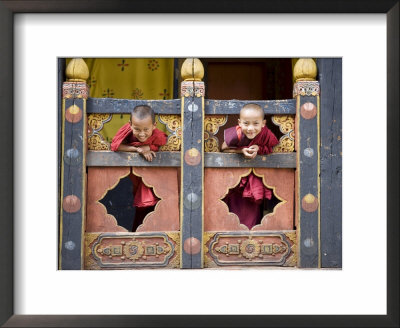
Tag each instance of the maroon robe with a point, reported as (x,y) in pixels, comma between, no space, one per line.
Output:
(245,199)
(125,135)
(144,198)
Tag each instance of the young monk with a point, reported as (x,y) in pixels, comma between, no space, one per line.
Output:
(250,137)
(140,135)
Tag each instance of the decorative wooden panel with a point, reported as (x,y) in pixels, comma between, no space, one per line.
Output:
(166,214)
(100,180)
(266,248)
(165,185)
(217,183)
(132,250)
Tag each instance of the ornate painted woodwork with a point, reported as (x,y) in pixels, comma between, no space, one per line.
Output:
(192,191)
(166,213)
(95,125)
(73,174)
(267,248)
(183,232)
(217,183)
(132,250)
(308,173)
(100,181)
(173,124)
(286,126)
(212,124)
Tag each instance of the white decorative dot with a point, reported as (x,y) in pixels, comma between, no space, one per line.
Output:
(309,242)
(309,152)
(192,201)
(192,197)
(70,245)
(193,107)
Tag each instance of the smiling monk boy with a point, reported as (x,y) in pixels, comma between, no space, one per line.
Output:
(250,137)
(140,135)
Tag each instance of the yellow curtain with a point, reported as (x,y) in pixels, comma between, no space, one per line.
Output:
(130,78)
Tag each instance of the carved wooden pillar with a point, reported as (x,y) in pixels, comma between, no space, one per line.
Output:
(192,179)
(306,91)
(73,166)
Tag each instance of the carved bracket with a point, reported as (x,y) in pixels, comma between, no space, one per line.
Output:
(286,126)
(174,125)
(212,123)
(95,125)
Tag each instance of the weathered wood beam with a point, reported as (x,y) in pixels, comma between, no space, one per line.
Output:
(124,106)
(330,77)
(173,159)
(275,160)
(271,107)
(111,158)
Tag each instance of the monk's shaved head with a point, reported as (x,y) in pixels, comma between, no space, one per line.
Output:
(252,107)
(143,111)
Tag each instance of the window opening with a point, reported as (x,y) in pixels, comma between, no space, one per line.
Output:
(130,201)
(251,200)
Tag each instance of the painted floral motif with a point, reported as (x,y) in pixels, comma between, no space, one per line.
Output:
(123,65)
(109,93)
(137,93)
(92,81)
(164,94)
(153,65)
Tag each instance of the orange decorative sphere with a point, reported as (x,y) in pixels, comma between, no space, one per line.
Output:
(71,204)
(309,203)
(308,111)
(191,246)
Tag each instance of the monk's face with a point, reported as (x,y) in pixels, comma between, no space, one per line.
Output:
(142,128)
(251,121)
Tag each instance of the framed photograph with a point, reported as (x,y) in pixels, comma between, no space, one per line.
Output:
(42,290)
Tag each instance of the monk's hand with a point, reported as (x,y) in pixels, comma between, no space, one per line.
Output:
(148,155)
(247,152)
(254,150)
(143,149)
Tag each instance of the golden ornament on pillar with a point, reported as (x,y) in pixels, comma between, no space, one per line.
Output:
(77,70)
(192,70)
(305,70)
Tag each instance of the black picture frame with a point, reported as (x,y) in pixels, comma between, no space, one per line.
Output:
(7,11)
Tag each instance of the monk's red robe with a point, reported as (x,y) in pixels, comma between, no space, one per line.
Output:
(245,200)
(144,198)
(125,136)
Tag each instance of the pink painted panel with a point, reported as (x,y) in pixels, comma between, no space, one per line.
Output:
(282,183)
(100,180)
(165,185)
(216,184)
